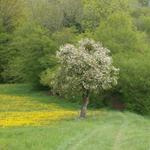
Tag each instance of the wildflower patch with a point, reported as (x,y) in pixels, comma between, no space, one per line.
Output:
(31,110)
(37,118)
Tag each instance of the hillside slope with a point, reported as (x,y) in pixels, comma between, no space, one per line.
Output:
(34,121)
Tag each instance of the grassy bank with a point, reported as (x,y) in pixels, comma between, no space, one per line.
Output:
(33,120)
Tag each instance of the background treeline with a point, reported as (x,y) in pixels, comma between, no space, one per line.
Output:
(32,30)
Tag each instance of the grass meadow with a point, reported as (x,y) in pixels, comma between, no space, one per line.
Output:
(33,120)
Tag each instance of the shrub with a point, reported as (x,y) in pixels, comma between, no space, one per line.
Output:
(134,82)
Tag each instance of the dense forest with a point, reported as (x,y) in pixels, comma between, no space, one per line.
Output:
(31,31)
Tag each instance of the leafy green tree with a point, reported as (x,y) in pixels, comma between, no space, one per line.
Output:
(11,12)
(120,34)
(72,12)
(134,81)
(35,52)
(56,14)
(97,10)
(46,13)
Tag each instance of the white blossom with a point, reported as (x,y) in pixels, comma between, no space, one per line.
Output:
(88,65)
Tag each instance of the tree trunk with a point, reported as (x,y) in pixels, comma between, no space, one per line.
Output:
(84,105)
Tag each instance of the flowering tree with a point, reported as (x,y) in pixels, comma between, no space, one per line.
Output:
(86,67)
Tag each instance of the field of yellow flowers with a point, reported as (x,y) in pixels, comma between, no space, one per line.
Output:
(20,108)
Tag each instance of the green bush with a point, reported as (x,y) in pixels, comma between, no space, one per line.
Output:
(134,82)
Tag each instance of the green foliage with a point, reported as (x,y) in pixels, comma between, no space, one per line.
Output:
(35,52)
(142,19)
(72,12)
(47,77)
(118,33)
(144,24)
(54,15)
(97,10)
(144,2)
(47,14)
(134,83)
(5,53)
(10,13)
(66,35)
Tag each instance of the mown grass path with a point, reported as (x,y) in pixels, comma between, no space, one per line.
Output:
(102,130)
(111,132)
(120,133)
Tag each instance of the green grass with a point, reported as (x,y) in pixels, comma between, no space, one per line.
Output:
(103,130)
(32,96)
